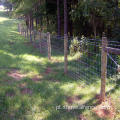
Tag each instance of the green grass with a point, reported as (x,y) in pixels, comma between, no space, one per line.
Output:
(52,89)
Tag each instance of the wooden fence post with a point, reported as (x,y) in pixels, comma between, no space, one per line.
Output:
(34,37)
(103,67)
(31,35)
(40,41)
(49,45)
(25,32)
(19,28)
(22,30)
(65,53)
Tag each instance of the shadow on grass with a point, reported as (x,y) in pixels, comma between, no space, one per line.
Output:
(47,93)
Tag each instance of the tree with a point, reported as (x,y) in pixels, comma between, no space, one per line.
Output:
(58,19)
(65,35)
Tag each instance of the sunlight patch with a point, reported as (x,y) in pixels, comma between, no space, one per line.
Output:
(2,19)
(32,58)
(69,87)
(6,53)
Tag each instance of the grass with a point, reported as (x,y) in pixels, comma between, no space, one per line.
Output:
(31,99)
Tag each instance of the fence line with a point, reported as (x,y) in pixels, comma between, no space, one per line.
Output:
(84,59)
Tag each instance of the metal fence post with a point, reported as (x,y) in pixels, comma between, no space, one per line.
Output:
(103,67)
(65,53)
(49,45)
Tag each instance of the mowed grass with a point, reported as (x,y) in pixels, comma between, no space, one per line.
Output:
(33,88)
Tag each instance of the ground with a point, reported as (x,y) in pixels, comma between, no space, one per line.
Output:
(33,88)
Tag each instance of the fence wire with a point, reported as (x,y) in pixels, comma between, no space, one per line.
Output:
(36,38)
(85,60)
(84,55)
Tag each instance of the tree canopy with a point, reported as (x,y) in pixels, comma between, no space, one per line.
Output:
(85,17)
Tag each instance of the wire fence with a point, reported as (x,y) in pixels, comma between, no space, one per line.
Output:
(36,38)
(85,60)
(84,55)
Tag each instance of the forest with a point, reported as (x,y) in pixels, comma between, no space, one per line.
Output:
(83,17)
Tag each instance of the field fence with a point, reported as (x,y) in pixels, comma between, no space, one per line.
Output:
(84,63)
(85,59)
(84,55)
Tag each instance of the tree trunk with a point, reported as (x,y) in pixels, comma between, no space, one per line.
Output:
(65,36)
(36,19)
(116,16)
(30,27)
(58,19)
(70,22)
(94,25)
(47,18)
(65,18)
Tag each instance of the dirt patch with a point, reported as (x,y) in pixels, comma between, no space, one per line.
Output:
(105,109)
(16,75)
(71,100)
(26,91)
(49,71)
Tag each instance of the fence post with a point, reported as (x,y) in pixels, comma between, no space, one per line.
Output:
(40,41)
(65,53)
(22,31)
(19,28)
(103,67)
(34,36)
(25,32)
(49,45)
(31,35)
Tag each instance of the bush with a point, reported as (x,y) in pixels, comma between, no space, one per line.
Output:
(74,47)
(78,45)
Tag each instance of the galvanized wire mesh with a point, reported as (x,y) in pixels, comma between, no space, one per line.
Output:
(36,38)
(57,45)
(113,63)
(84,55)
(85,63)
